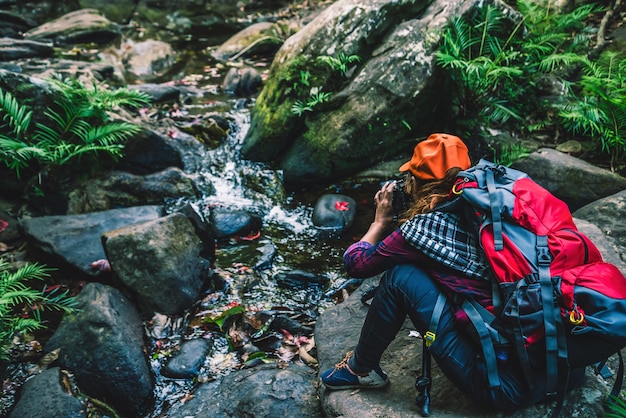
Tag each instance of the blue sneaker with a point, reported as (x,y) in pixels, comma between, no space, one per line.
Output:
(342,377)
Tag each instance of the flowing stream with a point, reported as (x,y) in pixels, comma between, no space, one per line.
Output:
(287,231)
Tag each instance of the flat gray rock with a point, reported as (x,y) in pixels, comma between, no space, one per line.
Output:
(76,239)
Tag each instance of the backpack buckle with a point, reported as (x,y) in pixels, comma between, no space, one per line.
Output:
(576,317)
(544,258)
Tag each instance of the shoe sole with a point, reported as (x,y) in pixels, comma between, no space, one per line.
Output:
(379,386)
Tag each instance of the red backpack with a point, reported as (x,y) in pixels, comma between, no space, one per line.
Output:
(558,303)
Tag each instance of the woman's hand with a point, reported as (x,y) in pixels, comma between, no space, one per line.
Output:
(383,199)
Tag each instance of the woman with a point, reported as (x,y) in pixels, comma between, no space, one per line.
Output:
(432,253)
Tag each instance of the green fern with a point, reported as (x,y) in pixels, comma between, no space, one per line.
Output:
(339,63)
(476,56)
(21,306)
(616,406)
(494,66)
(598,108)
(78,125)
(18,117)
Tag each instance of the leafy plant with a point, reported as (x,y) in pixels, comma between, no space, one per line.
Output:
(616,406)
(316,97)
(339,63)
(596,107)
(79,124)
(21,305)
(221,318)
(480,65)
(494,68)
(509,154)
(303,79)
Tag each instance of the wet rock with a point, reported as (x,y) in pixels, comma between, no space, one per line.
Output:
(102,344)
(186,363)
(262,391)
(283,322)
(569,178)
(233,223)
(45,396)
(75,240)
(15,49)
(257,39)
(299,279)
(86,72)
(121,189)
(79,27)
(148,60)
(27,89)
(149,152)
(159,261)
(203,230)
(242,82)
(263,185)
(211,130)
(334,213)
(268,252)
(160,93)
(13,25)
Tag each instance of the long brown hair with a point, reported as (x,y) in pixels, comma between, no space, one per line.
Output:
(426,195)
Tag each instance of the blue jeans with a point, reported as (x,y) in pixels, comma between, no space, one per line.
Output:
(409,290)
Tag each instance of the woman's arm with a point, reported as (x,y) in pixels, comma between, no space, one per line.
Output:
(363,260)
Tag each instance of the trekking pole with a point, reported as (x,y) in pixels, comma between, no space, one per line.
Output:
(423,382)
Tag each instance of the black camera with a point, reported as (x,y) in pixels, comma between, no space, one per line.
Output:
(400,199)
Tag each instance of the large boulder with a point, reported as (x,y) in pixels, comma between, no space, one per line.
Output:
(148,60)
(569,178)
(262,391)
(45,396)
(388,98)
(78,27)
(122,189)
(102,344)
(159,261)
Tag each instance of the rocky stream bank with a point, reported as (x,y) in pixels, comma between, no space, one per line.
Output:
(207,288)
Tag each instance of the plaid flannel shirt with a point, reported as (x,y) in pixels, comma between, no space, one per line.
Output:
(445,238)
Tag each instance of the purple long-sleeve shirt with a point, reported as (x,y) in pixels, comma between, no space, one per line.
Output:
(363,260)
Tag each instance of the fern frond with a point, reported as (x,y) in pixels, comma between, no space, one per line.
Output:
(18,117)
(16,297)
(111,99)
(500,113)
(22,325)
(551,63)
(32,271)
(106,135)
(575,20)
